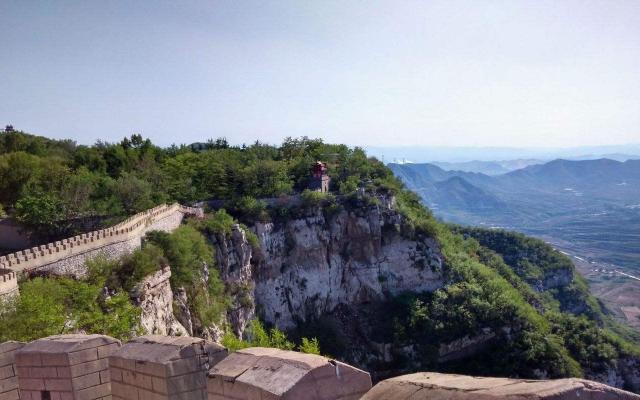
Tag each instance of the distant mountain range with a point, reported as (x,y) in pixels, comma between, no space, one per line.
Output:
(487,167)
(505,166)
(593,205)
(431,154)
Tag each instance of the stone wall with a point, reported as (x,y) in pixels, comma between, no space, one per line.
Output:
(162,367)
(8,371)
(68,256)
(89,367)
(8,284)
(66,367)
(434,386)
(265,373)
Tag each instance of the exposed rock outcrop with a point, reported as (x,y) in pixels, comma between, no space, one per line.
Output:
(309,266)
(233,254)
(155,298)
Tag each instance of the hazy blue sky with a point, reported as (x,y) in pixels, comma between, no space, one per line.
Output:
(512,73)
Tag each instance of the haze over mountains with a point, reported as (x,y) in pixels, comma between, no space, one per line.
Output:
(592,204)
(539,155)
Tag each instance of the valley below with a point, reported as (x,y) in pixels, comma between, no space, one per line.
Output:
(586,209)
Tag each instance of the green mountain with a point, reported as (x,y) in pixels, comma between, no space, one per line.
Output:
(365,269)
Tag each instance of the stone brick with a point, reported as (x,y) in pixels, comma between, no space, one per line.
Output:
(61,385)
(116,374)
(8,384)
(6,372)
(149,395)
(85,381)
(83,356)
(181,367)
(29,394)
(159,385)
(89,367)
(28,359)
(192,395)
(6,359)
(66,396)
(151,368)
(94,392)
(42,372)
(31,384)
(106,351)
(60,359)
(214,384)
(121,390)
(185,383)
(63,372)
(10,395)
(105,376)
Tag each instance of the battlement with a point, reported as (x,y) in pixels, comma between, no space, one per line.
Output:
(98,367)
(8,283)
(130,228)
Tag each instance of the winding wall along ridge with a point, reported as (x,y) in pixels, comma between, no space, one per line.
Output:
(131,228)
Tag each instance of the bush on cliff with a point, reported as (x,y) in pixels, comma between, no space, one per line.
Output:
(259,336)
(52,306)
(193,269)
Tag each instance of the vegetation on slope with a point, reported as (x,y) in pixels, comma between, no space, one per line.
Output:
(49,184)
(492,283)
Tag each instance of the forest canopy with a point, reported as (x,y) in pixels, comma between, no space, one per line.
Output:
(48,184)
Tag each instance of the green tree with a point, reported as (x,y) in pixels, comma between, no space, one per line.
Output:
(41,212)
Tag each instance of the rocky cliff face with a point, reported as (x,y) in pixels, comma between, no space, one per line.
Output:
(155,298)
(310,266)
(233,258)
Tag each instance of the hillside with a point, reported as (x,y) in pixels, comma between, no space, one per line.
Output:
(366,270)
(590,204)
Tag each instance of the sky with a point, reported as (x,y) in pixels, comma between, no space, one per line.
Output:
(370,73)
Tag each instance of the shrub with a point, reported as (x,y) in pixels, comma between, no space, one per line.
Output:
(220,222)
(49,306)
(259,336)
(312,198)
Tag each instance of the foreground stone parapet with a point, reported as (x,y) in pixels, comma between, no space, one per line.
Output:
(66,367)
(264,373)
(161,367)
(434,386)
(8,371)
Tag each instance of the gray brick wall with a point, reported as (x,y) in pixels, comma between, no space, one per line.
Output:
(8,371)
(68,367)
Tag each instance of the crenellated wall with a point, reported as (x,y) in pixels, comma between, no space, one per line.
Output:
(8,284)
(68,256)
(98,367)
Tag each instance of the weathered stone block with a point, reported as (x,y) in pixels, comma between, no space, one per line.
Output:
(83,356)
(69,370)
(58,385)
(83,382)
(163,367)
(434,386)
(93,392)
(261,373)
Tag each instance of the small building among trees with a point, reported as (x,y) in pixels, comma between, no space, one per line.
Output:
(320,179)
